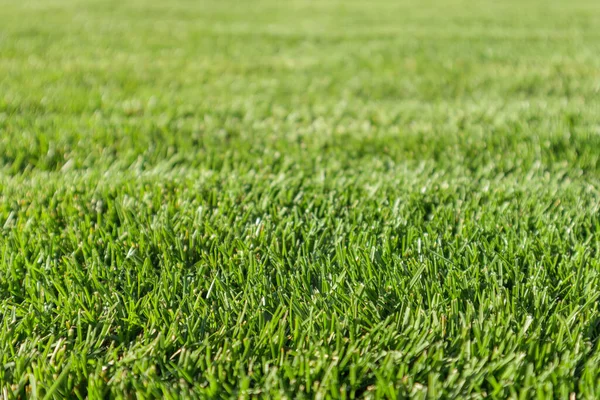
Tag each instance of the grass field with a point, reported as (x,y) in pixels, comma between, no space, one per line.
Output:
(306,198)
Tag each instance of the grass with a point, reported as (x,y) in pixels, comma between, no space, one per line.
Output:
(299,199)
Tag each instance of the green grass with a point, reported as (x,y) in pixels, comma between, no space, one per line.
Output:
(299,199)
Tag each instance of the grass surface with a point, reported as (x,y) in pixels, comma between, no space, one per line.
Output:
(302,198)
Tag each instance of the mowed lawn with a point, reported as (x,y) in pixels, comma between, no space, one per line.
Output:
(318,199)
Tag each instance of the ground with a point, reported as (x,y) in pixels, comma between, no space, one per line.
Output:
(300,198)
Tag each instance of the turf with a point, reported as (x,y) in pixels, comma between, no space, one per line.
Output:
(299,199)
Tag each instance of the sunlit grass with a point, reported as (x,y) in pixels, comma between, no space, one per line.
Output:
(299,199)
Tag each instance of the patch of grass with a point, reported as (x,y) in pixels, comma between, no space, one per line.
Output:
(303,199)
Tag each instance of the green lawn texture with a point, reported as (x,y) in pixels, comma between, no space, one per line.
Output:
(299,199)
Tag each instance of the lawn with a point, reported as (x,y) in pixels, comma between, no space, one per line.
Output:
(318,199)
